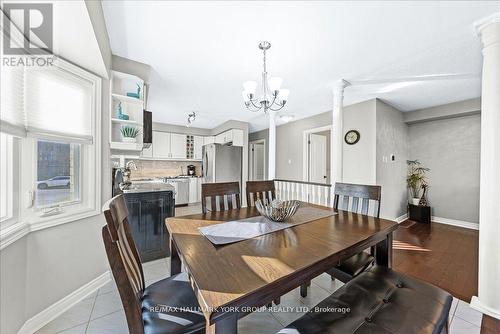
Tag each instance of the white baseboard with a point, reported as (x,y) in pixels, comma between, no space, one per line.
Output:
(64,304)
(401,218)
(476,304)
(454,222)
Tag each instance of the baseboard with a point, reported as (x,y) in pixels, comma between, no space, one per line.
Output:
(64,304)
(454,222)
(476,304)
(401,218)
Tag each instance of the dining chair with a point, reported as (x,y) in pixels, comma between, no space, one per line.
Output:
(167,306)
(353,198)
(220,192)
(263,190)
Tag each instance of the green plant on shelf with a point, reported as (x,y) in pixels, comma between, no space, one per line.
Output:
(129,131)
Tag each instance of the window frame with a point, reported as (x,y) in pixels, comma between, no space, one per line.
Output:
(89,203)
(8,155)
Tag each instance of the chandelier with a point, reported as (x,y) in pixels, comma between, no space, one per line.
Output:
(272,97)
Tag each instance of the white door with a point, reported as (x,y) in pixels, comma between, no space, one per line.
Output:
(317,158)
(258,162)
(161,144)
(178,146)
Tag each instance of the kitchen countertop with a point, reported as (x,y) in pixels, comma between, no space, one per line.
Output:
(145,187)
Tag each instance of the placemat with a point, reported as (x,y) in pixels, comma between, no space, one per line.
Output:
(238,230)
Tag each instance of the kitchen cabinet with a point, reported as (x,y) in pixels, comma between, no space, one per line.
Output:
(234,136)
(198,145)
(146,215)
(194,190)
(208,140)
(177,146)
(161,144)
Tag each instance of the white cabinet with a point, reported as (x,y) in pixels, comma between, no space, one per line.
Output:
(198,145)
(234,136)
(177,146)
(161,144)
(208,140)
(194,192)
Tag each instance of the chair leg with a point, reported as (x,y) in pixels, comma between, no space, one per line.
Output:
(303,289)
(277,301)
(332,277)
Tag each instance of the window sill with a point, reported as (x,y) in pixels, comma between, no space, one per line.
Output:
(18,230)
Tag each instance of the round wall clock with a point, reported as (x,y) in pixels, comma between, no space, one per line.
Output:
(352,137)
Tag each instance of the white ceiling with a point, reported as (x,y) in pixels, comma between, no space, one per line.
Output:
(201,52)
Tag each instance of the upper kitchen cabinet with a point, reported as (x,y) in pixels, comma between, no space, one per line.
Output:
(198,145)
(208,140)
(161,144)
(177,146)
(126,112)
(234,136)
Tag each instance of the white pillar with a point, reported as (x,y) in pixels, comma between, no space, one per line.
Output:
(272,146)
(488,299)
(337,137)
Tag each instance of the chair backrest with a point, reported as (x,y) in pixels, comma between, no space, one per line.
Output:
(223,192)
(124,261)
(263,190)
(357,192)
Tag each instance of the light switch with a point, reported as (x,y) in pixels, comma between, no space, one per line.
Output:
(289,161)
(393,157)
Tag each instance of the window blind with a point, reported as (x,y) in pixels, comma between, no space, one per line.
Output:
(58,105)
(12,116)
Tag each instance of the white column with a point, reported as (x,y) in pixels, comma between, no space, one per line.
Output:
(272,146)
(337,137)
(488,299)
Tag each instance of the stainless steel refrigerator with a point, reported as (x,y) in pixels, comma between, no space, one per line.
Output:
(221,163)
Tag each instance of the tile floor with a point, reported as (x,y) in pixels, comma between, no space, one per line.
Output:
(102,312)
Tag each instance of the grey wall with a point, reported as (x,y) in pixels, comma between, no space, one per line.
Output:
(451,149)
(392,139)
(450,110)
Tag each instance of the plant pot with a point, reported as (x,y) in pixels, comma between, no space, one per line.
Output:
(415,200)
(128,140)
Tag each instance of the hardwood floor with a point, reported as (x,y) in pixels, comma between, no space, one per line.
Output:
(440,254)
(490,325)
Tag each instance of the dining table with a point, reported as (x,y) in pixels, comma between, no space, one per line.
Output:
(235,279)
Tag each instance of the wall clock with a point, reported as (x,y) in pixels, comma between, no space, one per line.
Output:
(352,137)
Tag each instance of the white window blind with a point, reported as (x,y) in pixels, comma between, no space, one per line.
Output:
(58,105)
(12,116)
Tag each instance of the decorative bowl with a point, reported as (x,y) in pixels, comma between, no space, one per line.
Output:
(277,210)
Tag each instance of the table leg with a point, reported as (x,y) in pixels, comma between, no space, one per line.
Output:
(175,260)
(383,252)
(227,325)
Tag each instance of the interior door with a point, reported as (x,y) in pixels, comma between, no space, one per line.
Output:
(317,158)
(178,146)
(258,162)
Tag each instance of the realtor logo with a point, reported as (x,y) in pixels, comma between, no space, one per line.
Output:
(35,22)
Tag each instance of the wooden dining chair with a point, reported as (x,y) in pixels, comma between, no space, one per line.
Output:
(220,192)
(263,190)
(167,306)
(353,198)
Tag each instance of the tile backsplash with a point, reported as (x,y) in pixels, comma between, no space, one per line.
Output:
(161,168)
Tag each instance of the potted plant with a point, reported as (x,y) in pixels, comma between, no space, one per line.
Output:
(129,133)
(415,179)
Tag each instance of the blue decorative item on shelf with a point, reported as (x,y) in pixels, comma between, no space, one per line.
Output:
(120,114)
(136,95)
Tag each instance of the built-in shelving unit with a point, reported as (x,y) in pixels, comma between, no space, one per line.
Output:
(121,84)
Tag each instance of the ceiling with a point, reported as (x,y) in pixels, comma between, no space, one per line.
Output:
(201,52)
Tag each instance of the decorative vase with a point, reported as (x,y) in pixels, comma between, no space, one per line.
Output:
(415,200)
(423,199)
(120,114)
(128,139)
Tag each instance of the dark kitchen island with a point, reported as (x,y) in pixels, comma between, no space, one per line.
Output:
(148,207)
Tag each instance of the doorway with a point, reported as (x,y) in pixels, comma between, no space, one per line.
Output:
(317,155)
(258,160)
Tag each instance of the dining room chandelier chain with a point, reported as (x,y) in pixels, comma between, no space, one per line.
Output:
(272,97)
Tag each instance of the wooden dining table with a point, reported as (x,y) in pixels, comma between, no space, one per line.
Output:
(233,280)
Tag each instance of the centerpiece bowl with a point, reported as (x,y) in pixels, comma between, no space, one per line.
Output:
(277,210)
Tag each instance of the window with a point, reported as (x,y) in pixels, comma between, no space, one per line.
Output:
(58,174)
(59,135)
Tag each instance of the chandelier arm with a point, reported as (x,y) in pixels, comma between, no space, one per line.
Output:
(258,108)
(252,110)
(280,107)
